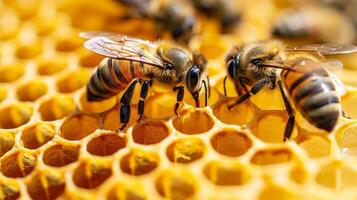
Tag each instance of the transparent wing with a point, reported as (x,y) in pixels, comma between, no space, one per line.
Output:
(301,64)
(326,49)
(115,37)
(122,47)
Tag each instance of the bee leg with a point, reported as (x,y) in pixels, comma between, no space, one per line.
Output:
(143,95)
(125,101)
(291,120)
(179,98)
(255,89)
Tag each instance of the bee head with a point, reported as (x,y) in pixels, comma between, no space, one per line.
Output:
(196,75)
(253,55)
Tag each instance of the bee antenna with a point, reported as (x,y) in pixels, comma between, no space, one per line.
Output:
(209,87)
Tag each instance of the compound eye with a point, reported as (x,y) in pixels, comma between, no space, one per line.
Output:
(193,77)
(257,61)
(232,66)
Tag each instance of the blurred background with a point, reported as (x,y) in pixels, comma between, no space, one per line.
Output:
(53,142)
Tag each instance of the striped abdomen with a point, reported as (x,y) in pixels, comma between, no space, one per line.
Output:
(314,95)
(111,76)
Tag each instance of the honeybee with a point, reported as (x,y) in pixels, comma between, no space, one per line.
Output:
(131,61)
(303,79)
(224,10)
(317,22)
(175,15)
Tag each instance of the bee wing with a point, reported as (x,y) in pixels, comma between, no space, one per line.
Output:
(293,65)
(122,47)
(326,49)
(114,36)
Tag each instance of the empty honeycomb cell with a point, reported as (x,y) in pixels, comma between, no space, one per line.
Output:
(52,66)
(349,104)
(88,59)
(160,106)
(61,154)
(28,10)
(150,132)
(106,144)
(15,115)
(127,190)
(31,90)
(238,115)
(78,126)
(30,50)
(273,191)
(231,142)
(46,23)
(90,175)
(185,150)
(187,122)
(275,99)
(18,164)
(271,156)
(329,175)
(11,73)
(9,192)
(336,175)
(139,162)
(348,177)
(346,137)
(69,43)
(226,174)
(270,127)
(97,106)
(299,173)
(176,184)
(56,107)
(46,185)
(7,141)
(72,81)
(315,146)
(3,93)
(9,23)
(36,135)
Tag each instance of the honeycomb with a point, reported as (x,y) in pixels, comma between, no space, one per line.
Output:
(56,145)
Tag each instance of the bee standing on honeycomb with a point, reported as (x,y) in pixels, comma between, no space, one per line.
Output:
(302,78)
(175,15)
(132,60)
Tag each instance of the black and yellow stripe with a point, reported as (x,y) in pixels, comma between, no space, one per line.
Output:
(315,96)
(111,76)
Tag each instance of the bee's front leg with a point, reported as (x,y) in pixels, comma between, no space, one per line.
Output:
(179,98)
(255,89)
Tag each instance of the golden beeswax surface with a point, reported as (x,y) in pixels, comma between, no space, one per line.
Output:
(54,144)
